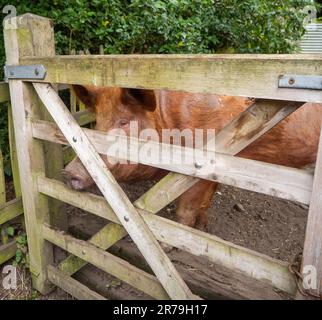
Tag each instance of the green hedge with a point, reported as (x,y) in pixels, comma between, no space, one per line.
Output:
(172,26)
(169,26)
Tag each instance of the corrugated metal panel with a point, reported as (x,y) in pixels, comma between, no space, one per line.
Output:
(312,40)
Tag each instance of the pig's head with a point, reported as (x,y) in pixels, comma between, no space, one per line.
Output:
(115,108)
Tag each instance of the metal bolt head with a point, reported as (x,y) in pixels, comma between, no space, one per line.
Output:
(74,139)
(198,165)
(126,218)
(291,81)
(36,72)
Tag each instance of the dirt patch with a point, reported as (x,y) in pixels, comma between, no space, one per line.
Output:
(24,290)
(10,190)
(262,223)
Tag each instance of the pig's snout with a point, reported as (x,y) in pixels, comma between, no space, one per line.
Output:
(76,176)
(75,181)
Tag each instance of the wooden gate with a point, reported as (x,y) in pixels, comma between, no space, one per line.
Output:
(43,123)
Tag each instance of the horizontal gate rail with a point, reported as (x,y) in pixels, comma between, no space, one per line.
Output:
(107,262)
(236,75)
(72,286)
(11,210)
(287,183)
(198,243)
(7,251)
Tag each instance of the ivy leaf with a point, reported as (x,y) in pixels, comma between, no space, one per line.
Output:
(11,231)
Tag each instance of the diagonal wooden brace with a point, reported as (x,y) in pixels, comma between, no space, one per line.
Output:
(114,195)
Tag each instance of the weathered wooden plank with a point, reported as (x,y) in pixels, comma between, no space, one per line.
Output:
(113,193)
(221,252)
(104,239)
(53,153)
(312,252)
(54,164)
(287,183)
(4,92)
(13,154)
(255,121)
(237,75)
(73,101)
(7,251)
(210,281)
(107,262)
(4,237)
(11,210)
(72,286)
(84,117)
(2,181)
(62,86)
(30,35)
(251,124)
(69,155)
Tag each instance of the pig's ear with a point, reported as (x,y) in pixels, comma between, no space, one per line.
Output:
(86,94)
(146,98)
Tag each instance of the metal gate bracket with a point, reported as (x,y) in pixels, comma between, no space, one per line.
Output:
(300,82)
(32,72)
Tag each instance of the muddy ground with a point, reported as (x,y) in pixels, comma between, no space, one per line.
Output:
(269,225)
(262,223)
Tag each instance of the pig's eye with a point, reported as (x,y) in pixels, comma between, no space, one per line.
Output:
(123,123)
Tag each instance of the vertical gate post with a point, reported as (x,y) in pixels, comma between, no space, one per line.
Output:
(312,252)
(33,36)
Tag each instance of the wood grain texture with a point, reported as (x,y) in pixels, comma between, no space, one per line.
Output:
(236,75)
(30,35)
(312,252)
(7,251)
(4,92)
(103,239)
(2,181)
(251,124)
(209,280)
(11,210)
(72,286)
